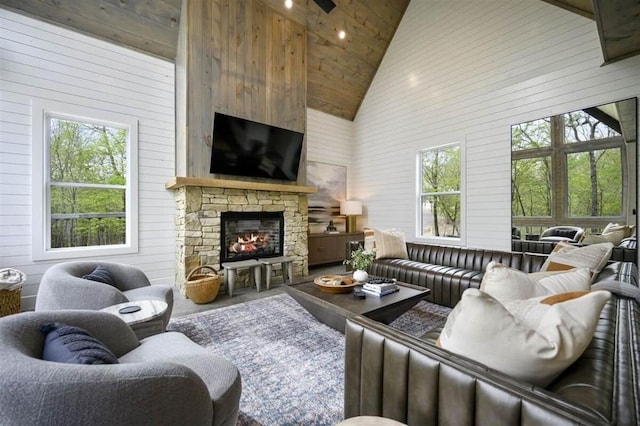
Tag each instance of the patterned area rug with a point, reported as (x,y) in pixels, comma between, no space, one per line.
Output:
(292,366)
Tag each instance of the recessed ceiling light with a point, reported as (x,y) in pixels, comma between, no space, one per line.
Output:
(342,34)
(288,4)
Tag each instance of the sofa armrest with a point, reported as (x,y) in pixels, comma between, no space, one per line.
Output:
(391,374)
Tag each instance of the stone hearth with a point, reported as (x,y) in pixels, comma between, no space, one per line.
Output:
(198,210)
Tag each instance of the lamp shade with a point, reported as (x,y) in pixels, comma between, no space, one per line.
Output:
(351,208)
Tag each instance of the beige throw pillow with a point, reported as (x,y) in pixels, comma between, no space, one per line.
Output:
(507,284)
(534,342)
(565,256)
(390,244)
(614,237)
(612,233)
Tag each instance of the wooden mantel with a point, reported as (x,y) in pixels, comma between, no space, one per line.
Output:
(179,181)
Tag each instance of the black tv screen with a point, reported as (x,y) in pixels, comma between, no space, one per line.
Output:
(246,148)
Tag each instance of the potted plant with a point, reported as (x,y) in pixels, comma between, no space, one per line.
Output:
(360,261)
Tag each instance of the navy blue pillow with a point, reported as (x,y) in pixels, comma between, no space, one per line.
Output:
(73,345)
(102,275)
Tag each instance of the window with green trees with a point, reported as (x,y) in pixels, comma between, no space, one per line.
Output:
(569,169)
(87,183)
(88,194)
(440,192)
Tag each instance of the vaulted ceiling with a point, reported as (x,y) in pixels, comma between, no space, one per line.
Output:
(339,71)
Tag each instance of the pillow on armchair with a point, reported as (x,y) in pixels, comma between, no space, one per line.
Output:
(74,345)
(101,275)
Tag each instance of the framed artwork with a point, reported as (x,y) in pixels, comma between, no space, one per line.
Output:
(324,205)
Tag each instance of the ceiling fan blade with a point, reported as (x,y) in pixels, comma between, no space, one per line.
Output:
(326,5)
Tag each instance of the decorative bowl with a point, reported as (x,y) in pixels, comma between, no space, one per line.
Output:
(335,283)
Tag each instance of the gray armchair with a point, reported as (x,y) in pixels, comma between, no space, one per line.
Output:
(62,287)
(165,379)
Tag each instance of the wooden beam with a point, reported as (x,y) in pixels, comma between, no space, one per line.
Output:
(619,28)
(177,182)
(581,7)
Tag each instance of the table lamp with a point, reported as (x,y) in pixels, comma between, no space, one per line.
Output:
(351,209)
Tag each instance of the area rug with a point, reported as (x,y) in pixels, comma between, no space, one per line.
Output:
(292,366)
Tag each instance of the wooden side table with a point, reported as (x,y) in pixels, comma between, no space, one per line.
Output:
(143,316)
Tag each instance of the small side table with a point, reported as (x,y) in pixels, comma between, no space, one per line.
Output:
(287,262)
(145,321)
(232,267)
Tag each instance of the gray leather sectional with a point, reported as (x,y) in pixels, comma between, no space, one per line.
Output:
(389,373)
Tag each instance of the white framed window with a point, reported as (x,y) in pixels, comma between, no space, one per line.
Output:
(440,201)
(85,200)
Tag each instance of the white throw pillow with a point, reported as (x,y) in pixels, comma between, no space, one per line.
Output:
(507,284)
(390,244)
(565,256)
(613,237)
(535,349)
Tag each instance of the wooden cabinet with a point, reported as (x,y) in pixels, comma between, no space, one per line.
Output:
(330,248)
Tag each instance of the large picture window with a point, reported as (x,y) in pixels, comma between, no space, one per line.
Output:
(568,169)
(440,192)
(87,185)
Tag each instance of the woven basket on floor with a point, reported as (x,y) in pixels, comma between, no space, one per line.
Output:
(202,287)
(10,301)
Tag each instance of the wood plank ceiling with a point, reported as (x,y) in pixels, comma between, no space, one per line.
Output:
(339,72)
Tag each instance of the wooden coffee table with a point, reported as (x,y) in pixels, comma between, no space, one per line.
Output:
(333,309)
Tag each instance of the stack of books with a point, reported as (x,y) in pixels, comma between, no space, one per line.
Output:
(380,289)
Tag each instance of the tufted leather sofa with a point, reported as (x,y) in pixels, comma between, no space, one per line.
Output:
(448,271)
(391,374)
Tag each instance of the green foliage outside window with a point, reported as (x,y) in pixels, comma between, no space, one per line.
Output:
(87,179)
(585,150)
(440,192)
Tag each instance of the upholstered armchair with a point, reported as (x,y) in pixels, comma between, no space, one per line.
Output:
(165,379)
(63,287)
(570,234)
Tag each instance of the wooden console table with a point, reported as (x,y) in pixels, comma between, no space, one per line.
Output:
(330,248)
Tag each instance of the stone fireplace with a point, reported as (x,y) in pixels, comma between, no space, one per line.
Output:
(202,204)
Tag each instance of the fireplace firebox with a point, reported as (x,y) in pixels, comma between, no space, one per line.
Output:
(251,235)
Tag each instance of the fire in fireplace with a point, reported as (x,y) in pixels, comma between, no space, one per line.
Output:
(251,235)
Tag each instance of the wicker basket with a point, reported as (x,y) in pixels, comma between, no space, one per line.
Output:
(10,301)
(202,287)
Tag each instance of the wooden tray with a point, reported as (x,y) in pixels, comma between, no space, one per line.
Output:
(335,283)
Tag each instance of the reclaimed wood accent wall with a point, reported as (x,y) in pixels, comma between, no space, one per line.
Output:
(241,58)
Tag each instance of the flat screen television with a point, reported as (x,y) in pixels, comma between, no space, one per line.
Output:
(247,148)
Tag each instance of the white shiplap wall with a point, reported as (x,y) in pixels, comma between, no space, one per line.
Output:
(42,61)
(467,70)
(330,140)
